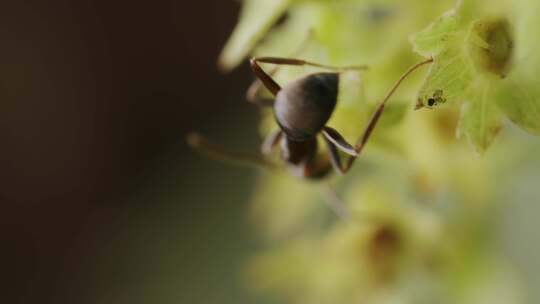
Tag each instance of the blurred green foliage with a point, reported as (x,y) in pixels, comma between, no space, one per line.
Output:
(425,208)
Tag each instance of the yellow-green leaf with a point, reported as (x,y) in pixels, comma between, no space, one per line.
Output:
(480,119)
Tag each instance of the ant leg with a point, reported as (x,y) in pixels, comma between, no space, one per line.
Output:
(201,144)
(271,141)
(333,136)
(333,154)
(252,94)
(377,114)
(334,202)
(265,78)
(301,62)
(270,83)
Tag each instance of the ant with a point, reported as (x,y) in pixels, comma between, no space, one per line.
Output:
(302,109)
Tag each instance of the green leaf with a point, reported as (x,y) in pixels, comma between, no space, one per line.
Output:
(519,100)
(448,79)
(437,36)
(480,119)
(256,18)
(483,63)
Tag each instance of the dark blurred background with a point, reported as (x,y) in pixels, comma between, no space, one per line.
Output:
(101,201)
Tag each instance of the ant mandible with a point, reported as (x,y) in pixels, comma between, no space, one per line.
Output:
(302,109)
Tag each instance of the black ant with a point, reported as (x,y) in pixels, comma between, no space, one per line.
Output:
(301,109)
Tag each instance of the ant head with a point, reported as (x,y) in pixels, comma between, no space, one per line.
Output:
(304,106)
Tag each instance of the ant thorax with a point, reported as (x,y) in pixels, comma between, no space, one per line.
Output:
(302,158)
(305,105)
(295,152)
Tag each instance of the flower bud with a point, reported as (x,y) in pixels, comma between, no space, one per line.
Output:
(491,45)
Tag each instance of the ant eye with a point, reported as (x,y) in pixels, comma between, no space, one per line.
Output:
(431,102)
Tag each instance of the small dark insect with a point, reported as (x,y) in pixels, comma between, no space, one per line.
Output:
(437,98)
(302,109)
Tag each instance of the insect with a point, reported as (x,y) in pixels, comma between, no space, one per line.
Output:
(302,110)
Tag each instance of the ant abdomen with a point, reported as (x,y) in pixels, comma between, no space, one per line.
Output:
(303,107)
